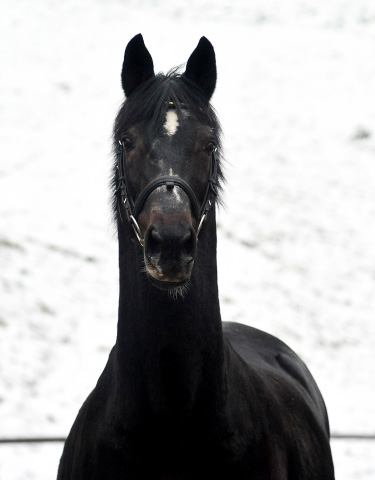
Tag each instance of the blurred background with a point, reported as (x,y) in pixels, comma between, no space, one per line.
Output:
(296,255)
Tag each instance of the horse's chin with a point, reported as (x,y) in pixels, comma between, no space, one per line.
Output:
(167,285)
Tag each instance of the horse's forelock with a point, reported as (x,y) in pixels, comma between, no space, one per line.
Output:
(150,102)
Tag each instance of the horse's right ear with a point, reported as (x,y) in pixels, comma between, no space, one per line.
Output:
(138,65)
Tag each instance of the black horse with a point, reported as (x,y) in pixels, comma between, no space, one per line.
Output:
(183,395)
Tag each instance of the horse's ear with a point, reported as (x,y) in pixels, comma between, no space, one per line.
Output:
(138,65)
(201,67)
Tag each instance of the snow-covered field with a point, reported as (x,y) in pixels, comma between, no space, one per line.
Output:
(296,98)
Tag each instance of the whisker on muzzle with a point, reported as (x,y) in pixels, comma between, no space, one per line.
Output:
(179,292)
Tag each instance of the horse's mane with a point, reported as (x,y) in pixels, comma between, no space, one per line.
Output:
(149,103)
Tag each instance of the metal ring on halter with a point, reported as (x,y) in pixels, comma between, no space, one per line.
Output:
(137,230)
(201,224)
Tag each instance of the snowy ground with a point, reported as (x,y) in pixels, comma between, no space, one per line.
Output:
(296,258)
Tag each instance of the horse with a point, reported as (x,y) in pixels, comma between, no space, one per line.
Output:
(184,395)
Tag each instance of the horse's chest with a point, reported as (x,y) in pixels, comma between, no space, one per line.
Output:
(194,462)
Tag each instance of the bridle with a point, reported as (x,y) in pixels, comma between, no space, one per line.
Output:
(133,208)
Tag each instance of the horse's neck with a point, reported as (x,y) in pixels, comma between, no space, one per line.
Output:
(166,344)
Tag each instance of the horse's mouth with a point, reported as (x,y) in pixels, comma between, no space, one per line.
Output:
(168,282)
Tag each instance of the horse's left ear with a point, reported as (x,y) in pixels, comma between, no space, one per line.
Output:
(138,65)
(201,67)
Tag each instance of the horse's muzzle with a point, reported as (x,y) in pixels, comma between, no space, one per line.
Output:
(170,249)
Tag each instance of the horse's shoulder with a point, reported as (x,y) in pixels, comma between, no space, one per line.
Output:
(253,344)
(264,352)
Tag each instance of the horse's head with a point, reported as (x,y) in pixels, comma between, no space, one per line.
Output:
(167,135)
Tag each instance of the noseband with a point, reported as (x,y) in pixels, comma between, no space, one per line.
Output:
(133,208)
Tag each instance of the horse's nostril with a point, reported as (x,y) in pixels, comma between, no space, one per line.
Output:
(188,243)
(188,260)
(153,240)
(156,236)
(186,238)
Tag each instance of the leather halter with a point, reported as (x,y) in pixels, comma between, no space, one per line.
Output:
(133,208)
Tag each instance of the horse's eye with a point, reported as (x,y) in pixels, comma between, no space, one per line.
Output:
(128,143)
(210,147)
